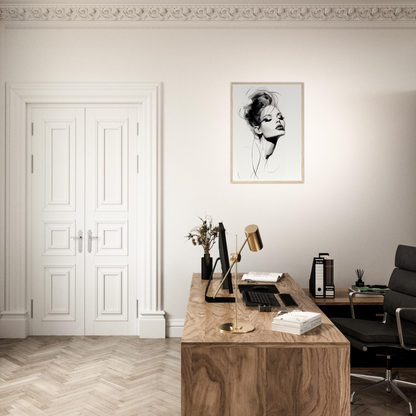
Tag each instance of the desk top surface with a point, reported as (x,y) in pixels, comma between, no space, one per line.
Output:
(203,318)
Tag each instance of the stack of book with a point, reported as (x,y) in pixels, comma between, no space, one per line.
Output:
(296,322)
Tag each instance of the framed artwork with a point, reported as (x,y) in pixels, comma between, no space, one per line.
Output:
(267,132)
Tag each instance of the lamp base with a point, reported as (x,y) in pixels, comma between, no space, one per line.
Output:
(243,328)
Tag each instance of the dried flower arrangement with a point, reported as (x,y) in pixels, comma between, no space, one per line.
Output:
(204,235)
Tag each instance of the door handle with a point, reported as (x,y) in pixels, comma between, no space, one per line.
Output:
(90,237)
(79,238)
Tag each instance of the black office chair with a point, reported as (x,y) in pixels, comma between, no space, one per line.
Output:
(398,329)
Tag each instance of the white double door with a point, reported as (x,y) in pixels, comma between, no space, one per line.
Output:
(83,220)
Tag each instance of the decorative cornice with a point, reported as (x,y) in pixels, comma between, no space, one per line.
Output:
(207,13)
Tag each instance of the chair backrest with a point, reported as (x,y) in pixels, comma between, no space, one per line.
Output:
(402,285)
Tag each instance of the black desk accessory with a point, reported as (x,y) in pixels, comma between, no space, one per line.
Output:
(265,308)
(216,299)
(287,299)
(259,298)
(225,265)
(360,274)
(258,288)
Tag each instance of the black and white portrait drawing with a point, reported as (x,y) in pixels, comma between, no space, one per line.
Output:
(267,132)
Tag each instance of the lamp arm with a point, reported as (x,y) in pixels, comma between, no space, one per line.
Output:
(232,265)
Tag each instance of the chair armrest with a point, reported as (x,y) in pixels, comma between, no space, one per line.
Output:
(399,327)
(352,294)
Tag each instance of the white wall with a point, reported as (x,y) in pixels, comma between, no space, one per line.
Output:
(358,201)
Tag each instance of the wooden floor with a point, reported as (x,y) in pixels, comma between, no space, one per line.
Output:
(92,376)
(99,376)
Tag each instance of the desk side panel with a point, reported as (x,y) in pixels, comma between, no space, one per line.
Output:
(268,381)
(205,385)
(325,381)
(223,381)
(284,381)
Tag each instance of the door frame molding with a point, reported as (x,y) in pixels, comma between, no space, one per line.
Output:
(15,317)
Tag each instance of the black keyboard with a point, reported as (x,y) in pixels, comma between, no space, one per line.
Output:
(258,298)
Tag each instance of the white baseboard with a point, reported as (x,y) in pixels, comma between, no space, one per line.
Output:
(152,324)
(175,328)
(14,324)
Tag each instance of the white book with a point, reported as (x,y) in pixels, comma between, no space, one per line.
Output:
(296,330)
(296,318)
(262,277)
(296,324)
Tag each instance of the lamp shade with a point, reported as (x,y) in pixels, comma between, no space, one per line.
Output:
(254,238)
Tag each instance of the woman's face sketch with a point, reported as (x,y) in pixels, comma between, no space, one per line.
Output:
(272,123)
(265,121)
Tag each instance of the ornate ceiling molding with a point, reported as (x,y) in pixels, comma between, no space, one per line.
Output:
(292,13)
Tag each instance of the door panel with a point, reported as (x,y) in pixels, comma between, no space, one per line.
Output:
(112,165)
(112,285)
(111,216)
(60,299)
(58,241)
(60,165)
(57,201)
(112,238)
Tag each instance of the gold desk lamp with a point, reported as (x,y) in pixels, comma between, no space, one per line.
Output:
(255,244)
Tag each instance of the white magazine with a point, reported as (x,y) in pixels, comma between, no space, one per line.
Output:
(262,277)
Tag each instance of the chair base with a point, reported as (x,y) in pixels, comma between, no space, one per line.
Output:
(390,381)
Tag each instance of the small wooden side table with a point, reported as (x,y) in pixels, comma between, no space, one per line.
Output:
(370,308)
(342,299)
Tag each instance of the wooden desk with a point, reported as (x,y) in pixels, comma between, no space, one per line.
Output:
(265,372)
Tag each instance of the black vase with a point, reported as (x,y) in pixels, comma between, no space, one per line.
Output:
(206,268)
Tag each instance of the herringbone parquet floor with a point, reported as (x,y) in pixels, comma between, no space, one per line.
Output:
(121,376)
(90,376)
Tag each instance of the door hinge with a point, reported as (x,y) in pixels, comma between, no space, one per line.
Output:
(137,308)
(31,308)
(32,129)
(138,164)
(138,128)
(32,164)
